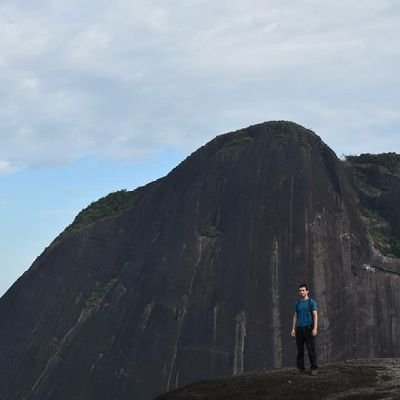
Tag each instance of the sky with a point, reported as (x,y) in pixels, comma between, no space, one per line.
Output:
(98,96)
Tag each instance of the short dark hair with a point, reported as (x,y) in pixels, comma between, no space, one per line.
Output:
(303,285)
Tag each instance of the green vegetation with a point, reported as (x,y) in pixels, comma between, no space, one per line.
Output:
(283,125)
(395,246)
(391,161)
(209,231)
(239,139)
(108,206)
(98,295)
(387,245)
(366,212)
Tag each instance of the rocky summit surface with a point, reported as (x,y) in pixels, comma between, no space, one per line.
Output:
(377,379)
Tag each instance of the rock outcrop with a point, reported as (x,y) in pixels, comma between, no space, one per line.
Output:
(351,380)
(195,275)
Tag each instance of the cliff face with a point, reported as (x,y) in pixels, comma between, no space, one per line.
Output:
(196,275)
(376,179)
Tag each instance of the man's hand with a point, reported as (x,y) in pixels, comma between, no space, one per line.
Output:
(293,333)
(314,332)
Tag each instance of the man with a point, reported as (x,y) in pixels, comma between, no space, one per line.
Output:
(305,328)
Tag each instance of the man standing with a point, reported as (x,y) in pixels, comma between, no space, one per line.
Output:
(305,328)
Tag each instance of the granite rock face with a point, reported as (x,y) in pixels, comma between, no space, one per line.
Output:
(195,276)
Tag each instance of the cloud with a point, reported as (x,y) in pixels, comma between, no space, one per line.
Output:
(4,166)
(127,80)
(7,167)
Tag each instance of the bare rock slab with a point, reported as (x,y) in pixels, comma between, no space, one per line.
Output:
(351,380)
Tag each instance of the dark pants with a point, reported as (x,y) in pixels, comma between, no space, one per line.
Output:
(304,337)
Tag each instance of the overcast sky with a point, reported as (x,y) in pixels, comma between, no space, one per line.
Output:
(98,96)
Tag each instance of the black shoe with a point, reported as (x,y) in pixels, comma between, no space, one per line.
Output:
(301,370)
(314,372)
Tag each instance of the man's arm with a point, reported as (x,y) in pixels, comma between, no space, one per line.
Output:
(293,333)
(315,329)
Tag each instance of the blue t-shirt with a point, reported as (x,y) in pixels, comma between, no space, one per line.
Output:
(304,316)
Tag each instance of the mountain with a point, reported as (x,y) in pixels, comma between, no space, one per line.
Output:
(195,275)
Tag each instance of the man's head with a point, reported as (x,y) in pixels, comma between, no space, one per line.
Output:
(303,290)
